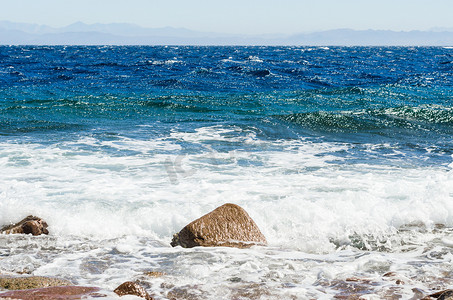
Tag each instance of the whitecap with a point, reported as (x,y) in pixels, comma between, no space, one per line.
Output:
(254,59)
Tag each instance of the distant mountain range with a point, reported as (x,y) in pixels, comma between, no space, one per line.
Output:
(129,34)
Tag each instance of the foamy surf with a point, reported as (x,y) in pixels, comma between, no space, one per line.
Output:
(110,216)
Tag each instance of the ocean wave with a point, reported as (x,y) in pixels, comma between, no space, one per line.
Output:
(415,118)
(329,121)
(165,104)
(36,126)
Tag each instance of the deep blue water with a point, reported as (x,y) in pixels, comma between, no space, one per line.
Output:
(395,100)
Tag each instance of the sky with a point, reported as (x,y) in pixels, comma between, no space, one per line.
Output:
(238,16)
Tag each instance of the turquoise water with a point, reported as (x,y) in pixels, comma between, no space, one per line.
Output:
(399,96)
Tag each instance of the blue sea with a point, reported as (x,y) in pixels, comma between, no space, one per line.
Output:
(341,155)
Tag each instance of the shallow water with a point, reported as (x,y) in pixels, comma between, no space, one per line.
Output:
(342,156)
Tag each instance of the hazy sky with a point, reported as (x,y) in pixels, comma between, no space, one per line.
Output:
(238,16)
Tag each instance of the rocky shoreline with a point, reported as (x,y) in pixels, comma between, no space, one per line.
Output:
(227,226)
(33,287)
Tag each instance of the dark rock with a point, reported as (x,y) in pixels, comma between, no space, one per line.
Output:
(132,288)
(228,226)
(443,295)
(32,282)
(52,293)
(31,224)
(389,274)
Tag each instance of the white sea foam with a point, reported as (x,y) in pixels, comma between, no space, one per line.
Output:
(164,62)
(294,194)
(254,59)
(231,60)
(111,214)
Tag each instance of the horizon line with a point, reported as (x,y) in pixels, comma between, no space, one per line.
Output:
(433,29)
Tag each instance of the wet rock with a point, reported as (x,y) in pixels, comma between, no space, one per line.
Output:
(393,276)
(443,295)
(31,224)
(253,291)
(132,288)
(154,274)
(243,290)
(389,274)
(52,293)
(352,288)
(188,292)
(32,282)
(228,226)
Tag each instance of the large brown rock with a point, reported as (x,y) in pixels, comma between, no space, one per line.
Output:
(52,293)
(31,224)
(228,226)
(132,288)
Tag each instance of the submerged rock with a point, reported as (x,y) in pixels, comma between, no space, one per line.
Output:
(52,293)
(132,288)
(228,226)
(31,224)
(31,282)
(246,290)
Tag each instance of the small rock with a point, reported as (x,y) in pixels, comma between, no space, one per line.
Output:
(254,291)
(31,224)
(52,293)
(132,288)
(389,274)
(227,226)
(32,282)
(188,292)
(356,279)
(154,274)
